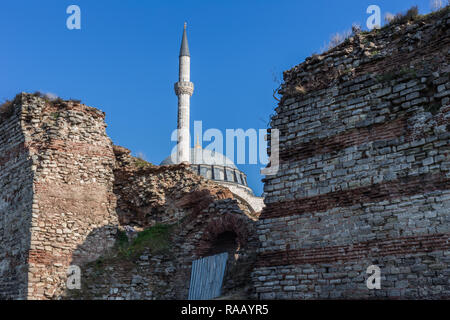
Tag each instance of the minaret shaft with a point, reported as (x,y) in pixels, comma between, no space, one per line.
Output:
(184,89)
(185,69)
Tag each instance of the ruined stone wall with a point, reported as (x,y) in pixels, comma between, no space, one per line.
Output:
(149,194)
(198,211)
(58,206)
(256,204)
(16,198)
(73,186)
(166,275)
(66,191)
(364,170)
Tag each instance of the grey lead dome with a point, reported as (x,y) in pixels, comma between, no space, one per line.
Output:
(213,165)
(204,156)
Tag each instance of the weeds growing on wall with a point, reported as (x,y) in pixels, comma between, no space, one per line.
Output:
(7,107)
(155,239)
(409,15)
(141,163)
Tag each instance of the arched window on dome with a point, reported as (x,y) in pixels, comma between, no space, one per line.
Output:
(244,178)
(229,175)
(238,177)
(206,171)
(218,173)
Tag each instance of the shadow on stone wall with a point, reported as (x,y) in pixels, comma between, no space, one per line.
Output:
(108,272)
(16,203)
(99,243)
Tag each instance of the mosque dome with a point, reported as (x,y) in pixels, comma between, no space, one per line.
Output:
(204,156)
(212,165)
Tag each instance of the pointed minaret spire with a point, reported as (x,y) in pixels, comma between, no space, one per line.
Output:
(184,89)
(184,50)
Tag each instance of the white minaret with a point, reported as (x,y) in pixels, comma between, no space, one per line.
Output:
(184,89)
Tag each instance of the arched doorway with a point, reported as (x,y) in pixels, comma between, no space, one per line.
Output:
(225,242)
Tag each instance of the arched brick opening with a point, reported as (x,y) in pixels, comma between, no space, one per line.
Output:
(231,233)
(225,242)
(217,231)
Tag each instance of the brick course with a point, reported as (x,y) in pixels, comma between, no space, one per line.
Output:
(364,170)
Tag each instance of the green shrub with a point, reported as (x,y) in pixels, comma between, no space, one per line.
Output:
(121,238)
(156,239)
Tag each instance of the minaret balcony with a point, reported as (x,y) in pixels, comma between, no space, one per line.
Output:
(184,87)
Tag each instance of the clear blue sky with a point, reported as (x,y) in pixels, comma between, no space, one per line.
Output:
(124,60)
